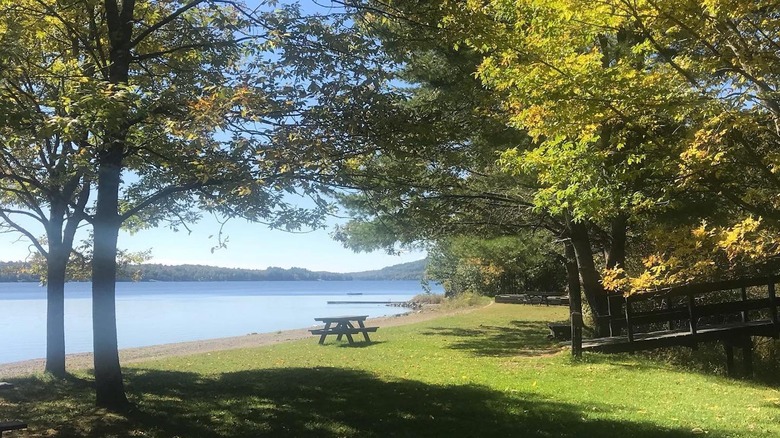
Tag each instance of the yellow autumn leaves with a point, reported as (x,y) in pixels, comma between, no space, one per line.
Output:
(696,253)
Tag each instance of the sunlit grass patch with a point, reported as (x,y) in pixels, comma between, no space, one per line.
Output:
(490,372)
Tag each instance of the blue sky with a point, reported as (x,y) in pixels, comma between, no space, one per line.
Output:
(256,246)
(249,245)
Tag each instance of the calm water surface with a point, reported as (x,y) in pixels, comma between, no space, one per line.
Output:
(164,312)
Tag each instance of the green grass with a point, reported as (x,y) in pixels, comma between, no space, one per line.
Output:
(491,372)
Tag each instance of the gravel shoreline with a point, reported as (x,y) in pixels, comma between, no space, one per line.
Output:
(82,361)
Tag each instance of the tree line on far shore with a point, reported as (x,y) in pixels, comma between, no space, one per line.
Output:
(20,272)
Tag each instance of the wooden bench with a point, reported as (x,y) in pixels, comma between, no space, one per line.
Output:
(560,331)
(343,327)
(344,331)
(11,425)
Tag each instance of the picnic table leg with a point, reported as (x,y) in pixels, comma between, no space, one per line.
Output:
(349,335)
(324,333)
(365,332)
(341,326)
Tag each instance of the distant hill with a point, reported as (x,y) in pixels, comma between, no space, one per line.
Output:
(15,271)
(403,271)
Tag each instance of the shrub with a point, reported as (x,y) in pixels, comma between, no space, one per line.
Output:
(464,300)
(428,299)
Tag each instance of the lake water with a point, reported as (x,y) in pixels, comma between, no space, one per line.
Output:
(165,312)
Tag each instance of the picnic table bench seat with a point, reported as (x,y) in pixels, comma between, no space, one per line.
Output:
(343,331)
(343,326)
(560,331)
(6,426)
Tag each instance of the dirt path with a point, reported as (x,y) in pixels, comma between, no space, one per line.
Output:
(130,355)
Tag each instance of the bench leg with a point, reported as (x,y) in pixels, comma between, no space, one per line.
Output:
(747,358)
(365,332)
(342,326)
(730,360)
(324,333)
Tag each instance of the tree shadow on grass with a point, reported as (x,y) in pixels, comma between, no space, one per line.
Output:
(359,344)
(518,338)
(329,402)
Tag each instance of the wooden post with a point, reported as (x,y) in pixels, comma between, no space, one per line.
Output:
(743,290)
(772,300)
(747,357)
(576,334)
(614,303)
(692,314)
(575,316)
(629,327)
(729,358)
(692,321)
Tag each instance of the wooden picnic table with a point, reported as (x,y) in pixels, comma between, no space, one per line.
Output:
(343,326)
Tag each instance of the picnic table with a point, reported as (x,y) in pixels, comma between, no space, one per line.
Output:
(343,326)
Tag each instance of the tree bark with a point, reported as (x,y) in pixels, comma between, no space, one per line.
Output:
(575,299)
(589,275)
(616,252)
(57,262)
(572,272)
(616,258)
(56,265)
(109,386)
(60,233)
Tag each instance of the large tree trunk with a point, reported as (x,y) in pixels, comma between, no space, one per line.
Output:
(56,264)
(575,299)
(572,272)
(109,387)
(589,275)
(55,310)
(616,251)
(60,233)
(615,257)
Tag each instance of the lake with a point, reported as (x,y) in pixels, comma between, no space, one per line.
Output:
(151,313)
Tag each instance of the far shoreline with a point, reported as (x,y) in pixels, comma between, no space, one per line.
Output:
(220,281)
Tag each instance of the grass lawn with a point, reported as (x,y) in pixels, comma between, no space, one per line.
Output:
(488,373)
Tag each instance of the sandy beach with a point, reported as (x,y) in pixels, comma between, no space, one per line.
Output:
(139,354)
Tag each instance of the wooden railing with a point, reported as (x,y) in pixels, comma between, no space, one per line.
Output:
(689,314)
